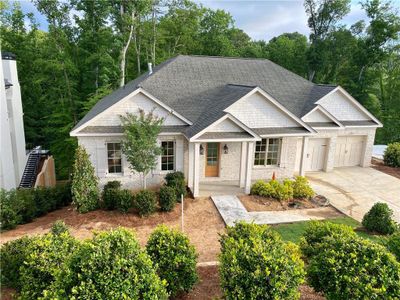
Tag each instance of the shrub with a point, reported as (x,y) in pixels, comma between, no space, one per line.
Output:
(44,262)
(391,156)
(9,214)
(258,187)
(109,197)
(314,236)
(63,194)
(110,266)
(354,268)
(59,227)
(393,244)
(115,184)
(12,256)
(301,188)
(167,198)
(379,219)
(84,182)
(273,189)
(257,264)
(124,200)
(176,180)
(145,202)
(175,258)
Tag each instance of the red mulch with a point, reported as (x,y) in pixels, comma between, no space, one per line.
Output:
(380,166)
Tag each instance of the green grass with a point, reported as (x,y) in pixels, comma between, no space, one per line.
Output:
(293,232)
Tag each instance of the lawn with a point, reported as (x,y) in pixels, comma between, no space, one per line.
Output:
(293,232)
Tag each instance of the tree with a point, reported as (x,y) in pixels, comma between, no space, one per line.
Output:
(140,144)
(84,189)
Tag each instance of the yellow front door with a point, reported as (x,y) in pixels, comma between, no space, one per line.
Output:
(212,160)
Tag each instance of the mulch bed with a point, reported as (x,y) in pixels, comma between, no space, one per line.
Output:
(258,203)
(378,164)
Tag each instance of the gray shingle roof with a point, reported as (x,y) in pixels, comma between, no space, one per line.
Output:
(197,86)
(118,129)
(225,135)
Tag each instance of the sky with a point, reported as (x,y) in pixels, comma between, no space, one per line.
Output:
(260,19)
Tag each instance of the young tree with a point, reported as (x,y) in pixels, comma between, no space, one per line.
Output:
(84,188)
(140,144)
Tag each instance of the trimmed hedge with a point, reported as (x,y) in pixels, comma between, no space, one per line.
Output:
(176,180)
(380,219)
(167,198)
(175,258)
(23,205)
(391,156)
(256,264)
(145,202)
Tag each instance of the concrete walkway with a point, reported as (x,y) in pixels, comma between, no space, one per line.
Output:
(232,210)
(354,190)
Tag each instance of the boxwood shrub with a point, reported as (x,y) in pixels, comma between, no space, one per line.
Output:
(391,156)
(354,268)
(110,266)
(256,264)
(176,180)
(145,202)
(379,219)
(167,198)
(302,188)
(175,257)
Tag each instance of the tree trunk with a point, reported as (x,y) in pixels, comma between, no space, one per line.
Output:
(124,50)
(144,180)
(153,46)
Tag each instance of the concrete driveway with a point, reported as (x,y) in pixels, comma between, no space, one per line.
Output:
(354,190)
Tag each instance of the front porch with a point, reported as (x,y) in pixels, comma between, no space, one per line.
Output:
(218,188)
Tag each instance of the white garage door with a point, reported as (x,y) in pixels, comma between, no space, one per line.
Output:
(316,154)
(349,151)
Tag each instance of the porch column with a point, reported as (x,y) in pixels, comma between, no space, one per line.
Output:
(196,165)
(243,163)
(249,166)
(191,166)
(303,158)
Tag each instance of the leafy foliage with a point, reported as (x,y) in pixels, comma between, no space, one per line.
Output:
(59,227)
(145,202)
(176,180)
(167,198)
(84,183)
(257,264)
(380,219)
(391,157)
(110,266)
(393,244)
(175,258)
(301,188)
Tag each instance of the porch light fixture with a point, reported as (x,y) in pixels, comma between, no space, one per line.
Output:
(201,149)
(226,149)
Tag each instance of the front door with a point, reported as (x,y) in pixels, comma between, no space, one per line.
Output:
(212,160)
(316,154)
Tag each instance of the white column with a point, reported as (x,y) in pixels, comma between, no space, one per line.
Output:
(196,169)
(243,162)
(304,148)
(249,167)
(191,166)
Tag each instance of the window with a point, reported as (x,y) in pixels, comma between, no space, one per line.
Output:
(168,156)
(267,152)
(114,158)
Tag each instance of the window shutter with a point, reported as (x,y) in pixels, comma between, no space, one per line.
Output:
(179,155)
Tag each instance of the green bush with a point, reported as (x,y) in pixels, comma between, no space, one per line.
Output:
(393,244)
(175,258)
(9,209)
(110,266)
(12,256)
(258,187)
(301,188)
(115,198)
(115,184)
(47,255)
(124,200)
(273,189)
(314,236)
(59,227)
(145,202)
(256,264)
(391,156)
(176,180)
(354,268)
(84,187)
(379,219)
(167,198)
(109,197)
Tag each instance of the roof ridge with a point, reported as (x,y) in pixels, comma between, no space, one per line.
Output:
(242,85)
(155,70)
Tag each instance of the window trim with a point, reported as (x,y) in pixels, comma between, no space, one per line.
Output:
(279,152)
(174,156)
(111,174)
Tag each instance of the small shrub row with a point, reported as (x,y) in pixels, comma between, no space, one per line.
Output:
(109,266)
(288,189)
(116,198)
(23,205)
(391,156)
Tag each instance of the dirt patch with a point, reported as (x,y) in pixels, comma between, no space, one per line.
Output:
(378,164)
(258,203)
(203,224)
(308,293)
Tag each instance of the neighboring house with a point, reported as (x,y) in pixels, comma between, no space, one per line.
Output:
(231,119)
(17,167)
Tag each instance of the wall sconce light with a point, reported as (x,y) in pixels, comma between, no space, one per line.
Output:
(226,149)
(201,149)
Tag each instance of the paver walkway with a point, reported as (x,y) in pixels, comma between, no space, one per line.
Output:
(232,210)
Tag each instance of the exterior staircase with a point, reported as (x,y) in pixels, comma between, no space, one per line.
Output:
(31,169)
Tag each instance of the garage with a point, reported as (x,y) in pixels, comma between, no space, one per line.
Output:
(349,151)
(316,154)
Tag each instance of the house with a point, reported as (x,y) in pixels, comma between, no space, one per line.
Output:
(231,119)
(18,168)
